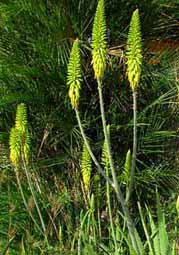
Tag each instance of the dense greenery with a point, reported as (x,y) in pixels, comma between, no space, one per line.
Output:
(53,200)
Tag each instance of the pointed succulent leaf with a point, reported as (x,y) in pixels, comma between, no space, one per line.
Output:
(163,235)
(99,45)
(134,51)
(154,232)
(74,77)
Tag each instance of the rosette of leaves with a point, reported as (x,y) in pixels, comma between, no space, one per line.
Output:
(74,76)
(134,51)
(19,137)
(99,44)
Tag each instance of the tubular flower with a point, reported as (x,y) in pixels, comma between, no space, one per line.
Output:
(134,51)
(74,77)
(99,45)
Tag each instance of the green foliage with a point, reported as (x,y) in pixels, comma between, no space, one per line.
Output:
(134,51)
(99,45)
(35,45)
(158,241)
(74,77)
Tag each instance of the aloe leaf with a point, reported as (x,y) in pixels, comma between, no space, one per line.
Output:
(163,236)
(154,234)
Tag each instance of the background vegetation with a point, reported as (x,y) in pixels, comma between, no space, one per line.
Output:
(35,42)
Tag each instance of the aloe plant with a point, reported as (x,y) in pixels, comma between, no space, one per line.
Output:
(134,61)
(73,78)
(19,142)
(99,53)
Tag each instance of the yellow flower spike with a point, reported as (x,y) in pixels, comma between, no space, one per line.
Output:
(134,51)
(21,118)
(99,45)
(19,137)
(86,166)
(127,166)
(105,156)
(74,77)
(15,146)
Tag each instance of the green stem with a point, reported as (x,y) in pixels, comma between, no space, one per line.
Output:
(99,223)
(7,246)
(82,222)
(134,153)
(110,211)
(145,230)
(24,200)
(34,198)
(100,170)
(117,189)
(106,135)
(116,185)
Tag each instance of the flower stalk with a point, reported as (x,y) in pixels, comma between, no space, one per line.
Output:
(134,61)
